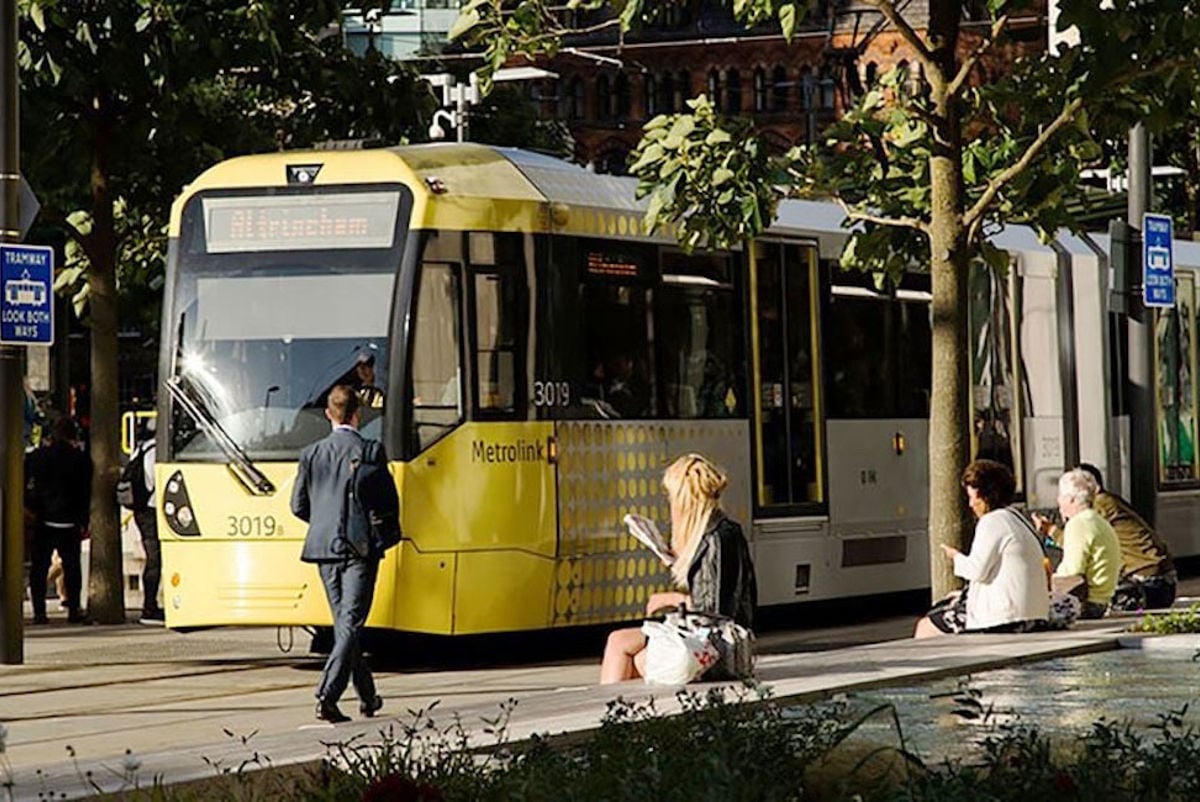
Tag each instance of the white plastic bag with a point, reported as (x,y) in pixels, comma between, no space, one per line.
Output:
(675,656)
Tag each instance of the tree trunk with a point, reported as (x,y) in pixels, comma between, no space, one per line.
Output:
(949,440)
(106,597)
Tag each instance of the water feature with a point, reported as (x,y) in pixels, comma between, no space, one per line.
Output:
(1061,696)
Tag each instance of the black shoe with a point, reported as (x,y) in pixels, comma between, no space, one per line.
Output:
(328,711)
(370,708)
(41,619)
(78,617)
(153,618)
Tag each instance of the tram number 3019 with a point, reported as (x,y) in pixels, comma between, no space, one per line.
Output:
(252,526)
(551,394)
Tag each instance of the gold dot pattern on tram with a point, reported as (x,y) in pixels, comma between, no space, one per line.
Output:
(608,469)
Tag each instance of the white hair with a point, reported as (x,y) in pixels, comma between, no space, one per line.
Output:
(1078,486)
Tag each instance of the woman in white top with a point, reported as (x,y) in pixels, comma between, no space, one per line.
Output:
(1005,567)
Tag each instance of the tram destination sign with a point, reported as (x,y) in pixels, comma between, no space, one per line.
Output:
(26,295)
(1158,261)
(322,221)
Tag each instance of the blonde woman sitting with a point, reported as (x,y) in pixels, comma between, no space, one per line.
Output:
(712,563)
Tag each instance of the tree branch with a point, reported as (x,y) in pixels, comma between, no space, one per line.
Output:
(968,65)
(893,222)
(1016,168)
(1064,118)
(888,9)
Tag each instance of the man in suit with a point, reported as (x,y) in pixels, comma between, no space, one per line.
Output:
(349,578)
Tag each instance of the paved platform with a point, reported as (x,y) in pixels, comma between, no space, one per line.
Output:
(187,705)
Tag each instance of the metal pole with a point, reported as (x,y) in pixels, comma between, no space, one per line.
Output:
(12,397)
(1140,333)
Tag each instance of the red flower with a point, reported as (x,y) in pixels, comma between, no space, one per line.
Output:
(398,788)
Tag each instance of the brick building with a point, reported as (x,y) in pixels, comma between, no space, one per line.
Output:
(607,89)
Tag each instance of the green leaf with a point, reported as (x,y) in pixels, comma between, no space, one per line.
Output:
(467,20)
(717,136)
(721,175)
(37,16)
(787,20)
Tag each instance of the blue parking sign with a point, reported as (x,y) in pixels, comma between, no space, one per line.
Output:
(1158,261)
(26,295)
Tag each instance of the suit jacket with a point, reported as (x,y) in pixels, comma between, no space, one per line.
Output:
(320,492)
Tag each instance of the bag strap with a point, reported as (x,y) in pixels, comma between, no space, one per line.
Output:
(1028,526)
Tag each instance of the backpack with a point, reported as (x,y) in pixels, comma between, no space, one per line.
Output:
(371,508)
(132,492)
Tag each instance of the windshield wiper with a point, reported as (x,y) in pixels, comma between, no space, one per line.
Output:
(240,465)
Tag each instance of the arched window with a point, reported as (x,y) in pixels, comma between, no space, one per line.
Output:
(668,93)
(760,90)
(603,98)
(651,85)
(683,89)
(733,92)
(575,99)
(779,89)
(828,89)
(620,110)
(808,89)
(714,88)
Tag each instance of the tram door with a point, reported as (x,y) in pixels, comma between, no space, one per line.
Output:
(791,538)
(788,412)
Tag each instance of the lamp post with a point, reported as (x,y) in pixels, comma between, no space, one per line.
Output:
(462,96)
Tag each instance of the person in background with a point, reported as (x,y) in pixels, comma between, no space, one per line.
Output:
(146,519)
(370,396)
(1148,578)
(34,419)
(712,562)
(1090,546)
(58,492)
(1005,568)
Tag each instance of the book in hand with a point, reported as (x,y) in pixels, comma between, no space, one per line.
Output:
(647,533)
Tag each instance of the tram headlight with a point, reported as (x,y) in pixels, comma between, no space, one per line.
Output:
(177,507)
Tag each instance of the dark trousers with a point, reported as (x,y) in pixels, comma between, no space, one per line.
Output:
(147,524)
(46,541)
(349,586)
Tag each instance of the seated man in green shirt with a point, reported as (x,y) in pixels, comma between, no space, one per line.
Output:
(1148,578)
(1090,547)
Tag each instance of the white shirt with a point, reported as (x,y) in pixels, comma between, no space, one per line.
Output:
(1006,572)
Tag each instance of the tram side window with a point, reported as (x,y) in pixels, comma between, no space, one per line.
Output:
(914,364)
(617,348)
(436,400)
(860,370)
(1175,397)
(878,348)
(496,310)
(697,333)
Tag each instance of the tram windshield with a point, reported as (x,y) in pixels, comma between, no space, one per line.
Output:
(277,299)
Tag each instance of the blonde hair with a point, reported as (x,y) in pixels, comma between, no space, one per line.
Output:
(694,487)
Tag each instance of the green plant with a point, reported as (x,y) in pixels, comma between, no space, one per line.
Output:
(1174,622)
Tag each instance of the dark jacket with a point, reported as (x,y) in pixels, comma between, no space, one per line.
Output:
(721,577)
(320,492)
(58,484)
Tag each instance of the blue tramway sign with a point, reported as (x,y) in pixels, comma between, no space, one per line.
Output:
(1158,261)
(26,295)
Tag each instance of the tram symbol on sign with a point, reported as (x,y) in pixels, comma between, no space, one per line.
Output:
(24,292)
(1159,258)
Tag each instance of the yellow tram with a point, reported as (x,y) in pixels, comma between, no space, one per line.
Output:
(537,361)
